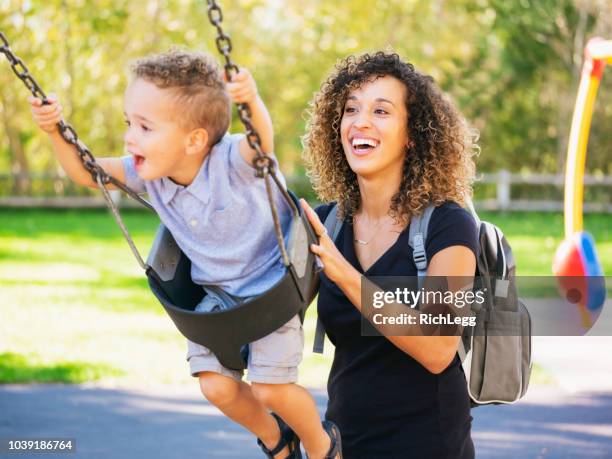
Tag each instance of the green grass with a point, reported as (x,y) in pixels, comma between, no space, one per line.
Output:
(75,305)
(535,236)
(17,368)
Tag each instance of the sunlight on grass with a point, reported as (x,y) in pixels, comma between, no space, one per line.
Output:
(50,272)
(75,306)
(144,347)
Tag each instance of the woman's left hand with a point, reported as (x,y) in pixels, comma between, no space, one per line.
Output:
(335,265)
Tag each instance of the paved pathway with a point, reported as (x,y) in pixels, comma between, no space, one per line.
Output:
(175,422)
(569,420)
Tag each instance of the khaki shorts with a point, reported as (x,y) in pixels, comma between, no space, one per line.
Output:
(273,359)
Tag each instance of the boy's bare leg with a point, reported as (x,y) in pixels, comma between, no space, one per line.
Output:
(298,409)
(235,399)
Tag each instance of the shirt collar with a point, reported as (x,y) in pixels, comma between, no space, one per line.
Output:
(168,189)
(199,187)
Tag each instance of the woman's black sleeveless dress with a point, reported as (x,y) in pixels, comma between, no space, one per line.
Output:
(386,404)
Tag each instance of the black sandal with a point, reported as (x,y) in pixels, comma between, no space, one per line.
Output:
(335,449)
(288,438)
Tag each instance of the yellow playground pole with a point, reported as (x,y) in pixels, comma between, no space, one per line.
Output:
(597,53)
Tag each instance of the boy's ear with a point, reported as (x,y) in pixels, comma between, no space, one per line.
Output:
(197,141)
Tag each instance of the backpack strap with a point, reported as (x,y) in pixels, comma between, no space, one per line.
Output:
(416,239)
(319,339)
(333,227)
(332,224)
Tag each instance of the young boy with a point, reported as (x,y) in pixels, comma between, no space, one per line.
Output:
(202,185)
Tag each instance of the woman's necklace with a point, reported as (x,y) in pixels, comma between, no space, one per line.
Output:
(376,228)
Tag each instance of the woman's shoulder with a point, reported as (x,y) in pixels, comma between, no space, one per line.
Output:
(451,224)
(450,211)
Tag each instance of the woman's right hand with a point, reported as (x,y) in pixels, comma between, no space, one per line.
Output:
(335,266)
(47,116)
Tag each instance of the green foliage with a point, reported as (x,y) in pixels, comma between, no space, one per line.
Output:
(512,66)
(520,87)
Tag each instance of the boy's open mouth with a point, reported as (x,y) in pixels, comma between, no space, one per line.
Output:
(138,160)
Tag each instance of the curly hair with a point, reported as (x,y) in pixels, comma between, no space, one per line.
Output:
(438,164)
(197,84)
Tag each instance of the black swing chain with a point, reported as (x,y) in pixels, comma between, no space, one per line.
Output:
(69,134)
(263,164)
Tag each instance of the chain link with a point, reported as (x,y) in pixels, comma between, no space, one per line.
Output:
(66,130)
(263,163)
(68,133)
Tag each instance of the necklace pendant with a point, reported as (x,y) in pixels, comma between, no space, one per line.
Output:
(359,241)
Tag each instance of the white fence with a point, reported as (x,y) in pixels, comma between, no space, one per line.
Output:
(503,181)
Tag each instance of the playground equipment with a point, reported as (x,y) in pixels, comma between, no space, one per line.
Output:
(576,263)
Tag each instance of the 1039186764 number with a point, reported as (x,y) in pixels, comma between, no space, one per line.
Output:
(40,445)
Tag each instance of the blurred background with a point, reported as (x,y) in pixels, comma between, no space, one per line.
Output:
(75,306)
(511,66)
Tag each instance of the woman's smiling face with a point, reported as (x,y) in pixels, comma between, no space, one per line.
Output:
(374,127)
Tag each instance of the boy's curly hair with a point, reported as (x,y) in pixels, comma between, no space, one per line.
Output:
(438,165)
(197,84)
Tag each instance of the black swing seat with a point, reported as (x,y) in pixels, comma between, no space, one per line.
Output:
(226,332)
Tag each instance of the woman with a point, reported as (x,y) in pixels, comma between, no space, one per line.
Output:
(384,143)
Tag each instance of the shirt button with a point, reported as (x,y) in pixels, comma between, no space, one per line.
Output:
(193,222)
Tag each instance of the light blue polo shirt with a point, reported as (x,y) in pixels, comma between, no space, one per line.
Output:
(222,220)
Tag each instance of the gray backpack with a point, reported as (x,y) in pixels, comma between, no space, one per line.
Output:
(496,353)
